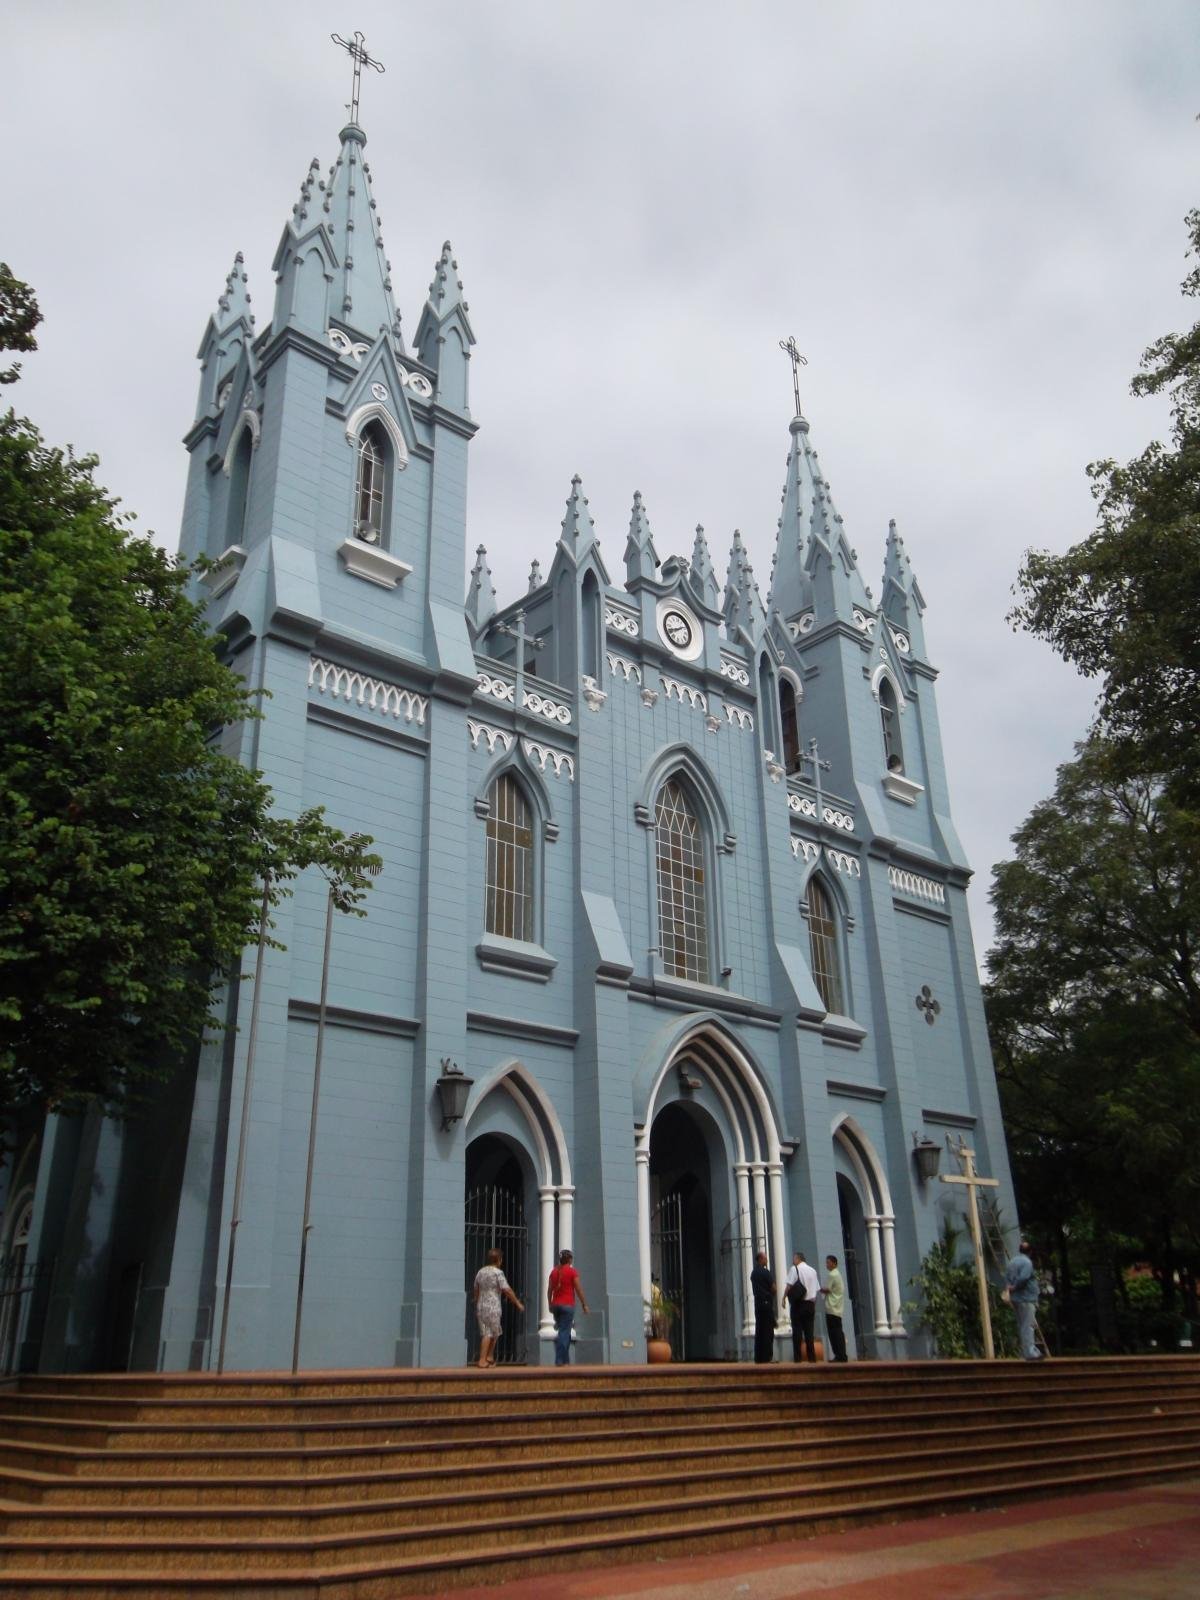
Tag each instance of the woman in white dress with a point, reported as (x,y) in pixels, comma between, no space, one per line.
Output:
(490,1284)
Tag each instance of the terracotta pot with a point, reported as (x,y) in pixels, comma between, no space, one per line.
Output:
(658,1350)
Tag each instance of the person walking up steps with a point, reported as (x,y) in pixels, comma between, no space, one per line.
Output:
(562,1290)
(1021,1291)
(490,1284)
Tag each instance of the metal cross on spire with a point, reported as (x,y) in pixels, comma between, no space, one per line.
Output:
(788,346)
(812,757)
(357,50)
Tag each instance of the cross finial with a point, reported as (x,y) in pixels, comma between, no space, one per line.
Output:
(788,346)
(812,757)
(357,50)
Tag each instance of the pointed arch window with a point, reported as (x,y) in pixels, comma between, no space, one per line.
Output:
(789,718)
(682,885)
(239,490)
(893,753)
(370,490)
(510,861)
(823,944)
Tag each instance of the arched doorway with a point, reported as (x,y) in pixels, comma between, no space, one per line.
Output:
(685,1150)
(869,1227)
(495,1219)
(859,1322)
(14,1280)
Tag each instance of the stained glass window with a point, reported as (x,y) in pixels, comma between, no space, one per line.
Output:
(509,862)
(823,940)
(682,901)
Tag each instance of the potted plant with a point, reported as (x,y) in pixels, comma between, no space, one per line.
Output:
(660,1317)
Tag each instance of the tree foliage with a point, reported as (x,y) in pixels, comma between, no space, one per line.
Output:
(19,316)
(1124,605)
(132,849)
(1094,1012)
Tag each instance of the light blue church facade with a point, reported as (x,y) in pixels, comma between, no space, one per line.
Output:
(670,879)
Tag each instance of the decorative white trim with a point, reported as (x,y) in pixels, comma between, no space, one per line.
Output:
(882,671)
(898,787)
(491,736)
(621,622)
(838,819)
(542,706)
(248,419)
(629,669)
(344,683)
(368,561)
(540,754)
(900,640)
(225,572)
(345,346)
(593,695)
(734,672)
(379,391)
(912,883)
(836,858)
(736,717)
(774,768)
(223,394)
(372,411)
(802,805)
(497,688)
(802,625)
(712,723)
(649,697)
(684,693)
(864,623)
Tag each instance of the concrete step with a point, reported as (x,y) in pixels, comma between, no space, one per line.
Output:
(458,1544)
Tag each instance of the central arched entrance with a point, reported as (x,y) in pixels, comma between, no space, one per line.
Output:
(685,1150)
(495,1219)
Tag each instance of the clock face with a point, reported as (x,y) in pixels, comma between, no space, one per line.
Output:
(677,629)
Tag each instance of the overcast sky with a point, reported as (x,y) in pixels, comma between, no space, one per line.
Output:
(969,215)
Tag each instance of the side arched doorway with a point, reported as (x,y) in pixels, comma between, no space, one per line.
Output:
(685,1150)
(500,1195)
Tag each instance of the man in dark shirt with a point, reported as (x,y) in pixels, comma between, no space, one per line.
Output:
(762,1287)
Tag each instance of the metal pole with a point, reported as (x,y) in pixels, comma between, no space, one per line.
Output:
(239,1179)
(306,1225)
(985,1308)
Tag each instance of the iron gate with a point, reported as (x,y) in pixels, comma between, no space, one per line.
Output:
(495,1220)
(24,1287)
(741,1237)
(666,1267)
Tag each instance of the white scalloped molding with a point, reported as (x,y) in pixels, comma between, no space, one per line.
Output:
(736,717)
(920,888)
(389,699)
(684,693)
(248,419)
(621,622)
(629,670)
(372,411)
(836,858)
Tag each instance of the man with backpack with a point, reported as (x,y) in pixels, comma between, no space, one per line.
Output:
(801,1290)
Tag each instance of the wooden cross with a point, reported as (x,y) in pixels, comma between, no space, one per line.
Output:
(357,50)
(974,1182)
(788,346)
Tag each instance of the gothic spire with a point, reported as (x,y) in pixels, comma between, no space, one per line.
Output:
(703,578)
(902,601)
(362,296)
(444,333)
(481,595)
(578,529)
(814,568)
(234,301)
(641,559)
(745,615)
(227,333)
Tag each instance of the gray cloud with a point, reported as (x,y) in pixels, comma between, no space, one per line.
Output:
(970,217)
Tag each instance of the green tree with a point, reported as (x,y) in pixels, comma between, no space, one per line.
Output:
(133,852)
(1094,1012)
(1124,605)
(19,316)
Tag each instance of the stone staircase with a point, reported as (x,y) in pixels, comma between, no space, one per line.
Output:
(368,1485)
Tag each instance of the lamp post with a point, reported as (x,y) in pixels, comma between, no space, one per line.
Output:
(335,900)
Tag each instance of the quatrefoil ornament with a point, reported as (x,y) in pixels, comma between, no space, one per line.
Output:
(927,1004)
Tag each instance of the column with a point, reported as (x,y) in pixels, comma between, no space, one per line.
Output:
(782,1256)
(891,1273)
(875,1260)
(744,1224)
(566,1216)
(546,1198)
(641,1158)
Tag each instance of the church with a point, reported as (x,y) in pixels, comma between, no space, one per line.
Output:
(669,958)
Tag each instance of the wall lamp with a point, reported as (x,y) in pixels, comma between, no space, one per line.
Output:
(453,1087)
(928,1156)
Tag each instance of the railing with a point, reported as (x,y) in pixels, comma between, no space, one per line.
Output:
(24,1288)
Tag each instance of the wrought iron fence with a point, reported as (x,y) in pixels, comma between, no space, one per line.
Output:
(24,1287)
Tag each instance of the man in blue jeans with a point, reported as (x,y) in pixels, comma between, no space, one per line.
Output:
(561,1292)
(1021,1285)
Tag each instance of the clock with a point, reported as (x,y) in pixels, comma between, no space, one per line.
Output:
(677,629)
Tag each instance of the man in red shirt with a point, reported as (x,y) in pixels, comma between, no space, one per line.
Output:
(561,1291)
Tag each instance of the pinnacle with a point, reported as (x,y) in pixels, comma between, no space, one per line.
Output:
(481,594)
(446,289)
(234,300)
